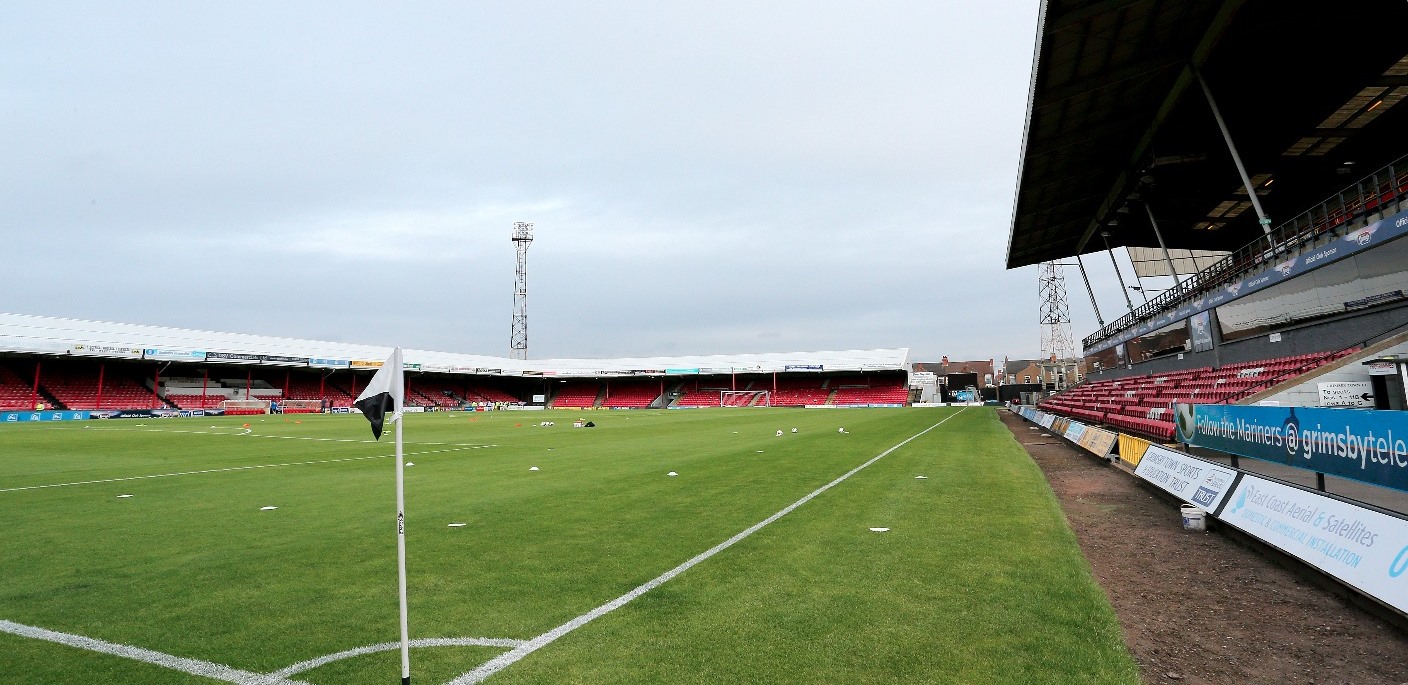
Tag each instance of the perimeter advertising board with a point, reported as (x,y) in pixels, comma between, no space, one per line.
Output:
(1098,441)
(41,416)
(1365,549)
(174,355)
(1132,449)
(1360,444)
(1186,477)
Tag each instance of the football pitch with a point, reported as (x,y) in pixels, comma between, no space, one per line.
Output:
(148,552)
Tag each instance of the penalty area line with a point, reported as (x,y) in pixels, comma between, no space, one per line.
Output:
(511,657)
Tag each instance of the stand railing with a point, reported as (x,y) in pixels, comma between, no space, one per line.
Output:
(1334,215)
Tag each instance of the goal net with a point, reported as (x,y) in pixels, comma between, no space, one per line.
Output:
(745,398)
(237,407)
(301,406)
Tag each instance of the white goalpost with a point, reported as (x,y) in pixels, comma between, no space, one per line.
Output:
(745,398)
(301,406)
(237,407)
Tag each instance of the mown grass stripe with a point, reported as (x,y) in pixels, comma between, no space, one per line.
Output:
(511,657)
(234,468)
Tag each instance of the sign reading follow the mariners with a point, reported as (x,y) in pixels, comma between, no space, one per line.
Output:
(1360,444)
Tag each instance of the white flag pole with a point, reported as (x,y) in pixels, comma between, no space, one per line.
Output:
(401,535)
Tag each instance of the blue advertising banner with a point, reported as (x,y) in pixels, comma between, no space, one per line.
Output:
(330,363)
(39,416)
(174,355)
(1365,238)
(1367,445)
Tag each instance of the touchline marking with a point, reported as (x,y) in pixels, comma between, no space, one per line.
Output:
(240,468)
(205,669)
(250,432)
(508,658)
(388,646)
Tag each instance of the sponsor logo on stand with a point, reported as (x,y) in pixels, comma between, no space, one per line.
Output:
(1364,235)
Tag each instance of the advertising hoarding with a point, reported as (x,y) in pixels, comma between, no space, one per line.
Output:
(1186,477)
(1359,444)
(1365,549)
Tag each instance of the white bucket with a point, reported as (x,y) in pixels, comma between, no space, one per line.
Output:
(1194,518)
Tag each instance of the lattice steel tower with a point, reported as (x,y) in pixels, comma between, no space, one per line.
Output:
(518,330)
(1055,314)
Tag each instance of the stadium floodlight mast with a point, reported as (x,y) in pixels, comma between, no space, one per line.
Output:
(1056,340)
(518,330)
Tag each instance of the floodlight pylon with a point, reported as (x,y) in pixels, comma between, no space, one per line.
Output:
(518,329)
(1056,341)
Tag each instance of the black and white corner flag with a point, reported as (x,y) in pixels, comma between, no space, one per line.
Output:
(385,394)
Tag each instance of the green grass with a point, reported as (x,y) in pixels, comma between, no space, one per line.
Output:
(978,581)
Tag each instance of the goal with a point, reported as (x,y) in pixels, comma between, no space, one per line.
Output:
(745,398)
(240,407)
(301,406)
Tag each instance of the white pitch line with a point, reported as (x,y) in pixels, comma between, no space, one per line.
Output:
(237,468)
(197,667)
(508,658)
(250,432)
(389,646)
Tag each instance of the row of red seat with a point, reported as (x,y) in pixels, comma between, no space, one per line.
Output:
(1144,403)
(896,393)
(577,394)
(623,395)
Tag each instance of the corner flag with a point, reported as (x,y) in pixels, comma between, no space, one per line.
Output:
(386,392)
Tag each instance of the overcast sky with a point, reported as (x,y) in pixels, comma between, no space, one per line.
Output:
(703,178)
